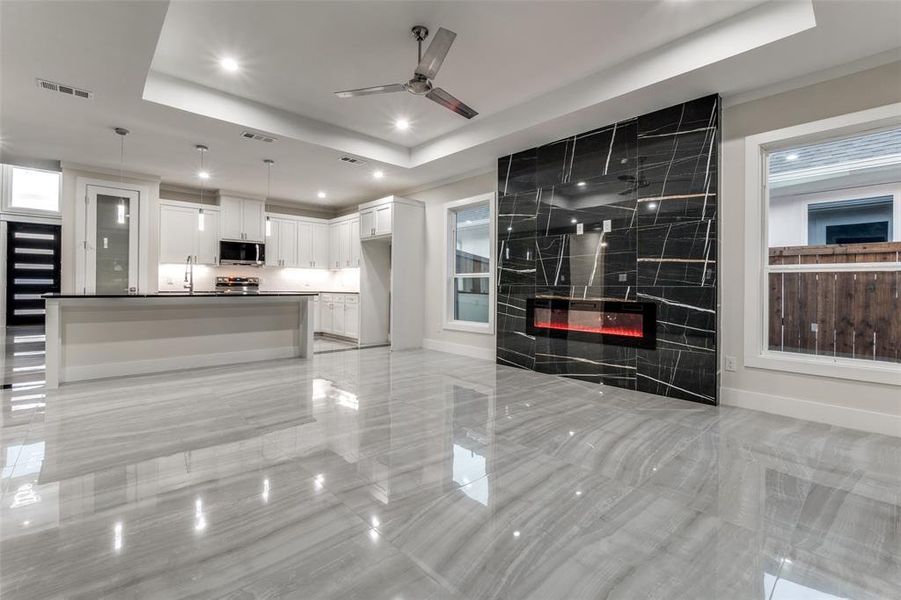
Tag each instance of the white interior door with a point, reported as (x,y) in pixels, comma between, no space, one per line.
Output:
(108,236)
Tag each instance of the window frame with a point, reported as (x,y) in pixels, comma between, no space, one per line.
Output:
(6,189)
(450,275)
(757,269)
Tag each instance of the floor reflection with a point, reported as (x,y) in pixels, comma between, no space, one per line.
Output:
(419,474)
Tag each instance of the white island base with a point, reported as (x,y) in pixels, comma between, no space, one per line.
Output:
(91,337)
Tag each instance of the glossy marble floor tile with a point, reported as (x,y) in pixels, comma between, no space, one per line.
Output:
(380,475)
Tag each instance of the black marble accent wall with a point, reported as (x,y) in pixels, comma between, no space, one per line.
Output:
(644,194)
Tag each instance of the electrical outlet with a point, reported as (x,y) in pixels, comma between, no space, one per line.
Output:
(608,225)
(580,228)
(730,363)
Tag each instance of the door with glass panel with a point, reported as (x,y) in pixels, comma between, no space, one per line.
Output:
(32,269)
(109,245)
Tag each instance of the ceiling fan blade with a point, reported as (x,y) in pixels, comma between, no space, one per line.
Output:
(379,89)
(447,101)
(434,56)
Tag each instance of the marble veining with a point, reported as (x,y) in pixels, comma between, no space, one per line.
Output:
(384,475)
(644,192)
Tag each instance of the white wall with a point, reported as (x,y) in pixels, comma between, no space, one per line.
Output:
(435,336)
(841,402)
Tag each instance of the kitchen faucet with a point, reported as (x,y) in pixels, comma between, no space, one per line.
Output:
(189,274)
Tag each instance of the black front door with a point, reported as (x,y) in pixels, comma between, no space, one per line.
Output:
(32,269)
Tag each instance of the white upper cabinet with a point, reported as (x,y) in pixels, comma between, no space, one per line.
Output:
(287,243)
(383,219)
(253,220)
(355,242)
(187,230)
(334,251)
(282,243)
(177,227)
(344,243)
(208,237)
(367,223)
(242,219)
(375,220)
(303,242)
(320,245)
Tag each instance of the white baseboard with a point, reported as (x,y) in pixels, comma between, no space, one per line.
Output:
(174,363)
(820,412)
(462,349)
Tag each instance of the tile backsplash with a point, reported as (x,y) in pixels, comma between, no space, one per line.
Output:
(172,277)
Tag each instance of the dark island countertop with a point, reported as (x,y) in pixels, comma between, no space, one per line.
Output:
(182,295)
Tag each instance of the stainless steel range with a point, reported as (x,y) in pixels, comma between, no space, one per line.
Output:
(238,285)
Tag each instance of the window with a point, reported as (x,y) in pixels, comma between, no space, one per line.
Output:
(470,282)
(31,190)
(824,248)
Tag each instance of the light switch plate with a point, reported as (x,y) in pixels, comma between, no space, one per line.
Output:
(580,228)
(730,363)
(608,225)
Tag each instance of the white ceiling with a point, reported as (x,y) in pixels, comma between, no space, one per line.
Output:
(560,67)
(294,55)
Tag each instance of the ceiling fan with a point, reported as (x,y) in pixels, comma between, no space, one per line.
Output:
(421,84)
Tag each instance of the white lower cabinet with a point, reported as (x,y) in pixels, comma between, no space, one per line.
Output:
(317,320)
(339,314)
(352,316)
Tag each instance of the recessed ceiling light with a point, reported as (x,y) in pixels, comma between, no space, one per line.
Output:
(581,184)
(378,174)
(320,195)
(402,124)
(791,156)
(203,174)
(229,64)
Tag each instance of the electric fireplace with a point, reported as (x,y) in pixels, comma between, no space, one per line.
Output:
(608,322)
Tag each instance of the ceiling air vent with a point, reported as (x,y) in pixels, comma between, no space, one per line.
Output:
(64,89)
(260,137)
(357,162)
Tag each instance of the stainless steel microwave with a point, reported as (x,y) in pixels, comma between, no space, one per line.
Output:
(242,253)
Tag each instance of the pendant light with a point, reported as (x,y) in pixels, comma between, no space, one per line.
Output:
(120,209)
(203,175)
(268,162)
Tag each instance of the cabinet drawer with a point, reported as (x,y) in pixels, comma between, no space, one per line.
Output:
(351,299)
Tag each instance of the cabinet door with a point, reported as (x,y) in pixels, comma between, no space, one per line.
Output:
(334,242)
(320,245)
(367,223)
(230,215)
(287,243)
(355,243)
(272,243)
(208,238)
(383,219)
(178,230)
(339,325)
(345,243)
(351,317)
(327,314)
(253,221)
(304,244)
(317,321)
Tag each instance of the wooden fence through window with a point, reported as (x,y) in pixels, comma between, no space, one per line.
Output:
(841,312)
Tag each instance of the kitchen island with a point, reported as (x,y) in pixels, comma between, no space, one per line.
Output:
(97,336)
